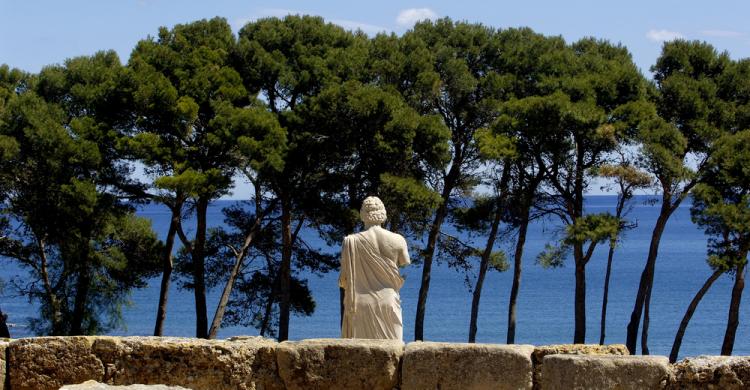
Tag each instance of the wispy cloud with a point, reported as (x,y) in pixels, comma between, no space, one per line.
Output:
(723,33)
(663,35)
(369,29)
(408,17)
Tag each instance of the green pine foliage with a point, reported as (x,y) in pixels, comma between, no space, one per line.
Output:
(488,129)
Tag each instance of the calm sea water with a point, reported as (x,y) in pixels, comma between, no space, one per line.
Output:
(545,306)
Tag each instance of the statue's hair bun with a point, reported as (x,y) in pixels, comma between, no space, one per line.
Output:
(373,211)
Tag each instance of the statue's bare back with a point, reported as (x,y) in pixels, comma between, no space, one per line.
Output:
(370,262)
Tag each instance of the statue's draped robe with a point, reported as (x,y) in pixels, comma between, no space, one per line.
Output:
(372,307)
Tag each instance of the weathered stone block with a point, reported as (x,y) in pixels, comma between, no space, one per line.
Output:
(446,366)
(193,363)
(94,385)
(49,362)
(339,363)
(571,349)
(605,372)
(712,372)
(3,364)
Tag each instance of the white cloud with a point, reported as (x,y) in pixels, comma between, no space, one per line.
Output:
(722,33)
(410,16)
(663,35)
(369,29)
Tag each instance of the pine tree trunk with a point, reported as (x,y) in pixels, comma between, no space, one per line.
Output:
(689,315)
(429,252)
(576,201)
(646,322)
(4,332)
(79,306)
(222,305)
(424,287)
(647,277)
(515,287)
(579,337)
(53,301)
(268,312)
(239,257)
(167,266)
(199,279)
(625,194)
(605,298)
(483,266)
(734,311)
(285,274)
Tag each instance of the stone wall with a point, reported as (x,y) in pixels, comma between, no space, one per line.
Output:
(255,363)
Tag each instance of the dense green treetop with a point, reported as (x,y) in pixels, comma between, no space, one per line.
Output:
(193,110)
(68,226)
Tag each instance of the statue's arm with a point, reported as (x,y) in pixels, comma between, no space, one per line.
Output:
(403,254)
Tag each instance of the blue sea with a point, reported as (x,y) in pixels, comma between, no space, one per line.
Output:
(545,306)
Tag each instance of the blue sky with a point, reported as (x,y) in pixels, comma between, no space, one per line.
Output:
(34,33)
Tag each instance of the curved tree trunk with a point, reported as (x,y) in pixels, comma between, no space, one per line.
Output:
(647,277)
(4,332)
(424,287)
(239,258)
(605,298)
(689,314)
(199,279)
(429,252)
(167,266)
(734,311)
(483,266)
(517,261)
(222,305)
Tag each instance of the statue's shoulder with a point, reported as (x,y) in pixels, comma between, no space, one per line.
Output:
(395,236)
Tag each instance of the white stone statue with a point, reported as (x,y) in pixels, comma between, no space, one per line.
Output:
(370,276)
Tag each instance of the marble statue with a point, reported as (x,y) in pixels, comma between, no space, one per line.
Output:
(370,262)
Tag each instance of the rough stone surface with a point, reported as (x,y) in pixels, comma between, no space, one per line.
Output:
(49,362)
(446,366)
(193,363)
(340,363)
(94,385)
(571,349)
(605,372)
(3,364)
(712,372)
